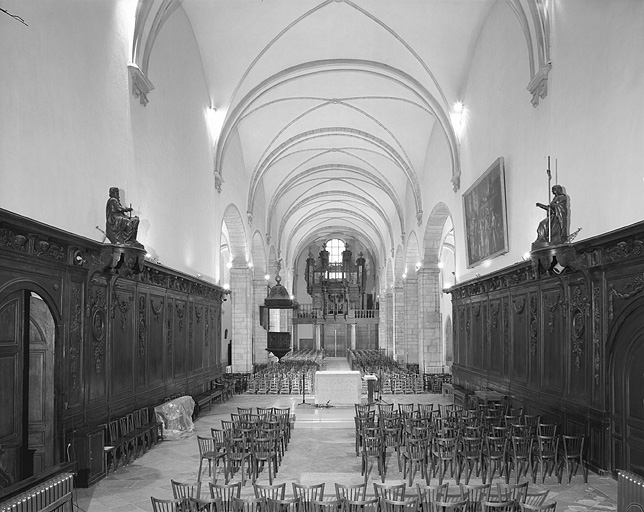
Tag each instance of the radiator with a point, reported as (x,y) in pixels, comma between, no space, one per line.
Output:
(51,495)
(630,492)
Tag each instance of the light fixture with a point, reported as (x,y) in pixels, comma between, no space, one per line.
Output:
(226,286)
(458,117)
(441,264)
(215,120)
(229,264)
(250,264)
(267,277)
(526,256)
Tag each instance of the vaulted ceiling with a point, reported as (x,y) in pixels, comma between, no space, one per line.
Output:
(332,104)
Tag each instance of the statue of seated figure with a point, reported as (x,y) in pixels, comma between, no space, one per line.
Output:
(120,229)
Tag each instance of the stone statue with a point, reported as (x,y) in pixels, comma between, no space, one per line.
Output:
(120,229)
(553,230)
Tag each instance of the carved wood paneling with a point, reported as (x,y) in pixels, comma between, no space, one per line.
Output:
(124,345)
(96,315)
(156,339)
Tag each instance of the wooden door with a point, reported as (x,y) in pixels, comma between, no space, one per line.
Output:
(12,328)
(628,410)
(40,393)
(335,340)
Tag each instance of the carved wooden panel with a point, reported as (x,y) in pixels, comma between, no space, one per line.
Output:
(96,316)
(180,338)
(156,338)
(496,336)
(579,342)
(199,336)
(475,348)
(520,338)
(552,338)
(11,339)
(123,341)
(75,346)
(142,336)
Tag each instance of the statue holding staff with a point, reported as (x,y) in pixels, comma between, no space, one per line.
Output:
(553,229)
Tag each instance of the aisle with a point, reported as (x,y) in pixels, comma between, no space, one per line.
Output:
(336,364)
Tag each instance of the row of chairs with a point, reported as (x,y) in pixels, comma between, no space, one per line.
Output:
(431,444)
(129,436)
(250,441)
(352,498)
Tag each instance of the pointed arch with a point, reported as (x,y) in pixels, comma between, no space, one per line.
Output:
(238,246)
(412,256)
(433,233)
(258,253)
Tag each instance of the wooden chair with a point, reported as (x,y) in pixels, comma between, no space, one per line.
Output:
(247,504)
(512,492)
(209,451)
(276,492)
(225,493)
(307,494)
(126,428)
(431,493)
(361,423)
(394,492)
(263,455)
(355,492)
(237,455)
(546,457)
(120,445)
(498,506)
(536,498)
(285,505)
(444,454)
(366,505)
(551,507)
(372,450)
(520,458)
(405,505)
(326,505)
(415,457)
(573,456)
(203,504)
(471,456)
(475,494)
(159,505)
(183,491)
(449,506)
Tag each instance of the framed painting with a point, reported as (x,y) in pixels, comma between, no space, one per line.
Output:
(484,209)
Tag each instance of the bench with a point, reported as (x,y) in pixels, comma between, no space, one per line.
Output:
(216,392)
(461,395)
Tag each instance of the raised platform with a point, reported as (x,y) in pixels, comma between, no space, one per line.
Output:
(338,387)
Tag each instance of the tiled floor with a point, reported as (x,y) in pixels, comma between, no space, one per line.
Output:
(322,449)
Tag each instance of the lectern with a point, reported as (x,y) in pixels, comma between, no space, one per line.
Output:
(278,343)
(371,384)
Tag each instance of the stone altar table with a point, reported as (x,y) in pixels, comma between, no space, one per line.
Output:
(338,387)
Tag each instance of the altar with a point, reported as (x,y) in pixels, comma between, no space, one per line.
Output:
(338,387)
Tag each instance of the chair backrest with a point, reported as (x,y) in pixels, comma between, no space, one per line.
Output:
(548,445)
(405,505)
(547,429)
(428,494)
(528,508)
(113,431)
(508,492)
(476,493)
(521,446)
(225,491)
(203,505)
(499,506)
(366,505)
(449,506)
(285,505)
(308,493)
(159,505)
(536,498)
(573,446)
(355,492)
(247,504)
(325,505)
(390,491)
(181,490)
(207,446)
(362,409)
(276,492)
(244,410)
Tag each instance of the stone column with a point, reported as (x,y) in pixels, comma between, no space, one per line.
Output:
(411,323)
(260,355)
(399,318)
(353,336)
(430,335)
(241,286)
(389,327)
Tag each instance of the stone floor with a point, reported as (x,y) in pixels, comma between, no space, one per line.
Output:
(322,449)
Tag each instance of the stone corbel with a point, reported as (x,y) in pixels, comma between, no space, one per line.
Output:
(538,86)
(419,217)
(141,85)
(218,180)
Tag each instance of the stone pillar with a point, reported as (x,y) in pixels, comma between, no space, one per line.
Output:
(260,356)
(241,286)
(353,336)
(399,318)
(389,328)
(318,342)
(296,338)
(430,335)
(411,324)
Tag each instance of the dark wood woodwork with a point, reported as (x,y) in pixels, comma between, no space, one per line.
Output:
(122,340)
(568,346)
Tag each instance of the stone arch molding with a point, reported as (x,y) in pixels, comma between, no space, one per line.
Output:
(236,236)
(433,232)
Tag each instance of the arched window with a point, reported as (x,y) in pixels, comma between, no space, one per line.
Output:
(336,248)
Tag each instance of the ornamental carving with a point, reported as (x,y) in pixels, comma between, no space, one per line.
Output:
(156,310)
(95,311)
(519,305)
(16,242)
(124,307)
(198,313)
(191,331)
(534,325)
(75,335)
(169,333)
(485,320)
(626,249)
(506,323)
(181,311)
(580,306)
(142,325)
(631,290)
(552,308)
(495,315)
(596,333)
(47,249)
